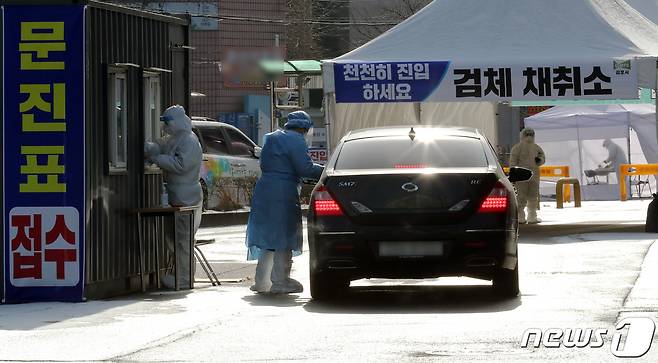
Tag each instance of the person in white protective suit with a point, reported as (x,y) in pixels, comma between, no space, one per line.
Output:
(529,155)
(179,155)
(616,157)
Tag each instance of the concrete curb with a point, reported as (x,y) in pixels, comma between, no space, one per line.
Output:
(223,219)
(229,218)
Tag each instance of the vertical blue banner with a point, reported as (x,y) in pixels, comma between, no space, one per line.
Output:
(44,152)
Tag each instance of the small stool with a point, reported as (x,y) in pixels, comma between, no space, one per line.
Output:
(203,261)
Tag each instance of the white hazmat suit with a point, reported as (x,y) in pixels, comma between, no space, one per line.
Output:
(616,157)
(529,155)
(179,155)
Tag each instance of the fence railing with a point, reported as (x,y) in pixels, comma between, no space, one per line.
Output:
(555,171)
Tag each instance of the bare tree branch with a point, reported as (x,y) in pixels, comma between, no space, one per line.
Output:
(392,11)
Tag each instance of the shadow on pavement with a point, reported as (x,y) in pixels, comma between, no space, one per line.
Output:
(551,233)
(30,316)
(414,300)
(37,315)
(162,295)
(275,300)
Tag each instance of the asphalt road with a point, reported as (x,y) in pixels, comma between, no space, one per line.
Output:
(577,280)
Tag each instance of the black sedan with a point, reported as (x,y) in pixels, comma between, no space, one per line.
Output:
(414,202)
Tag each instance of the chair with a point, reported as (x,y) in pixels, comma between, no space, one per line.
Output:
(640,185)
(203,261)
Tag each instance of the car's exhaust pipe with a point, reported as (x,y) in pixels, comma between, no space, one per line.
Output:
(481,262)
(342,265)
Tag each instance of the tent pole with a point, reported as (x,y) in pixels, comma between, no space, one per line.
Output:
(272,106)
(628,141)
(417,111)
(580,155)
(628,136)
(329,106)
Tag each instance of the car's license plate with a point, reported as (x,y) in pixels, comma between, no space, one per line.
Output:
(410,249)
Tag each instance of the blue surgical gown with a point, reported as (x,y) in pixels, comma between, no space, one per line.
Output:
(275,221)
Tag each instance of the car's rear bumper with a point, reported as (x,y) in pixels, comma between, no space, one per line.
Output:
(476,253)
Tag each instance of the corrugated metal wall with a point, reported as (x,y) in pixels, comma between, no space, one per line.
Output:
(125,37)
(2,202)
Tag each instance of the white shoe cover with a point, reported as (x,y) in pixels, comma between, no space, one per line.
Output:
(281,281)
(532,217)
(291,286)
(534,220)
(262,281)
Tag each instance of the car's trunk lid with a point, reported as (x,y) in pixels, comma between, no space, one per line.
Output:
(437,196)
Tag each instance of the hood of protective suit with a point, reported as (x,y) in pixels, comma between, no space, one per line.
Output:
(175,120)
(299,120)
(528,135)
(606,143)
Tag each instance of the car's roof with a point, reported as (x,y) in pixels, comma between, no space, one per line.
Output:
(209,123)
(196,123)
(440,131)
(202,118)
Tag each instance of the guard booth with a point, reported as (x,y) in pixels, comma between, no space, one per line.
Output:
(84,85)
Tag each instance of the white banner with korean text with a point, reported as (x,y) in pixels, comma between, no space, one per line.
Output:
(440,81)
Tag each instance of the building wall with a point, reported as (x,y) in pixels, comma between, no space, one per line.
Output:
(211,80)
(212,47)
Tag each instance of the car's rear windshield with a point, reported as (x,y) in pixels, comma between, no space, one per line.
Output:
(403,153)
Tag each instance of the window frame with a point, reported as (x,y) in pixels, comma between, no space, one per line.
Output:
(152,126)
(203,131)
(230,140)
(199,136)
(476,141)
(115,165)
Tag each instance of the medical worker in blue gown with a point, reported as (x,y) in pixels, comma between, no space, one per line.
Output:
(275,223)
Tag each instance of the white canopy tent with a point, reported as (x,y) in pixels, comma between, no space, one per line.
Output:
(648,8)
(352,116)
(490,51)
(573,136)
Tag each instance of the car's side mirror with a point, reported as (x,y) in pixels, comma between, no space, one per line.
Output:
(257,151)
(518,174)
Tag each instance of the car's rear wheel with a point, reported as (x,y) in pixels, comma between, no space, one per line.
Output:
(325,286)
(506,283)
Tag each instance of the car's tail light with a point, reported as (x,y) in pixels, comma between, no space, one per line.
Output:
(497,201)
(410,166)
(324,204)
(475,244)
